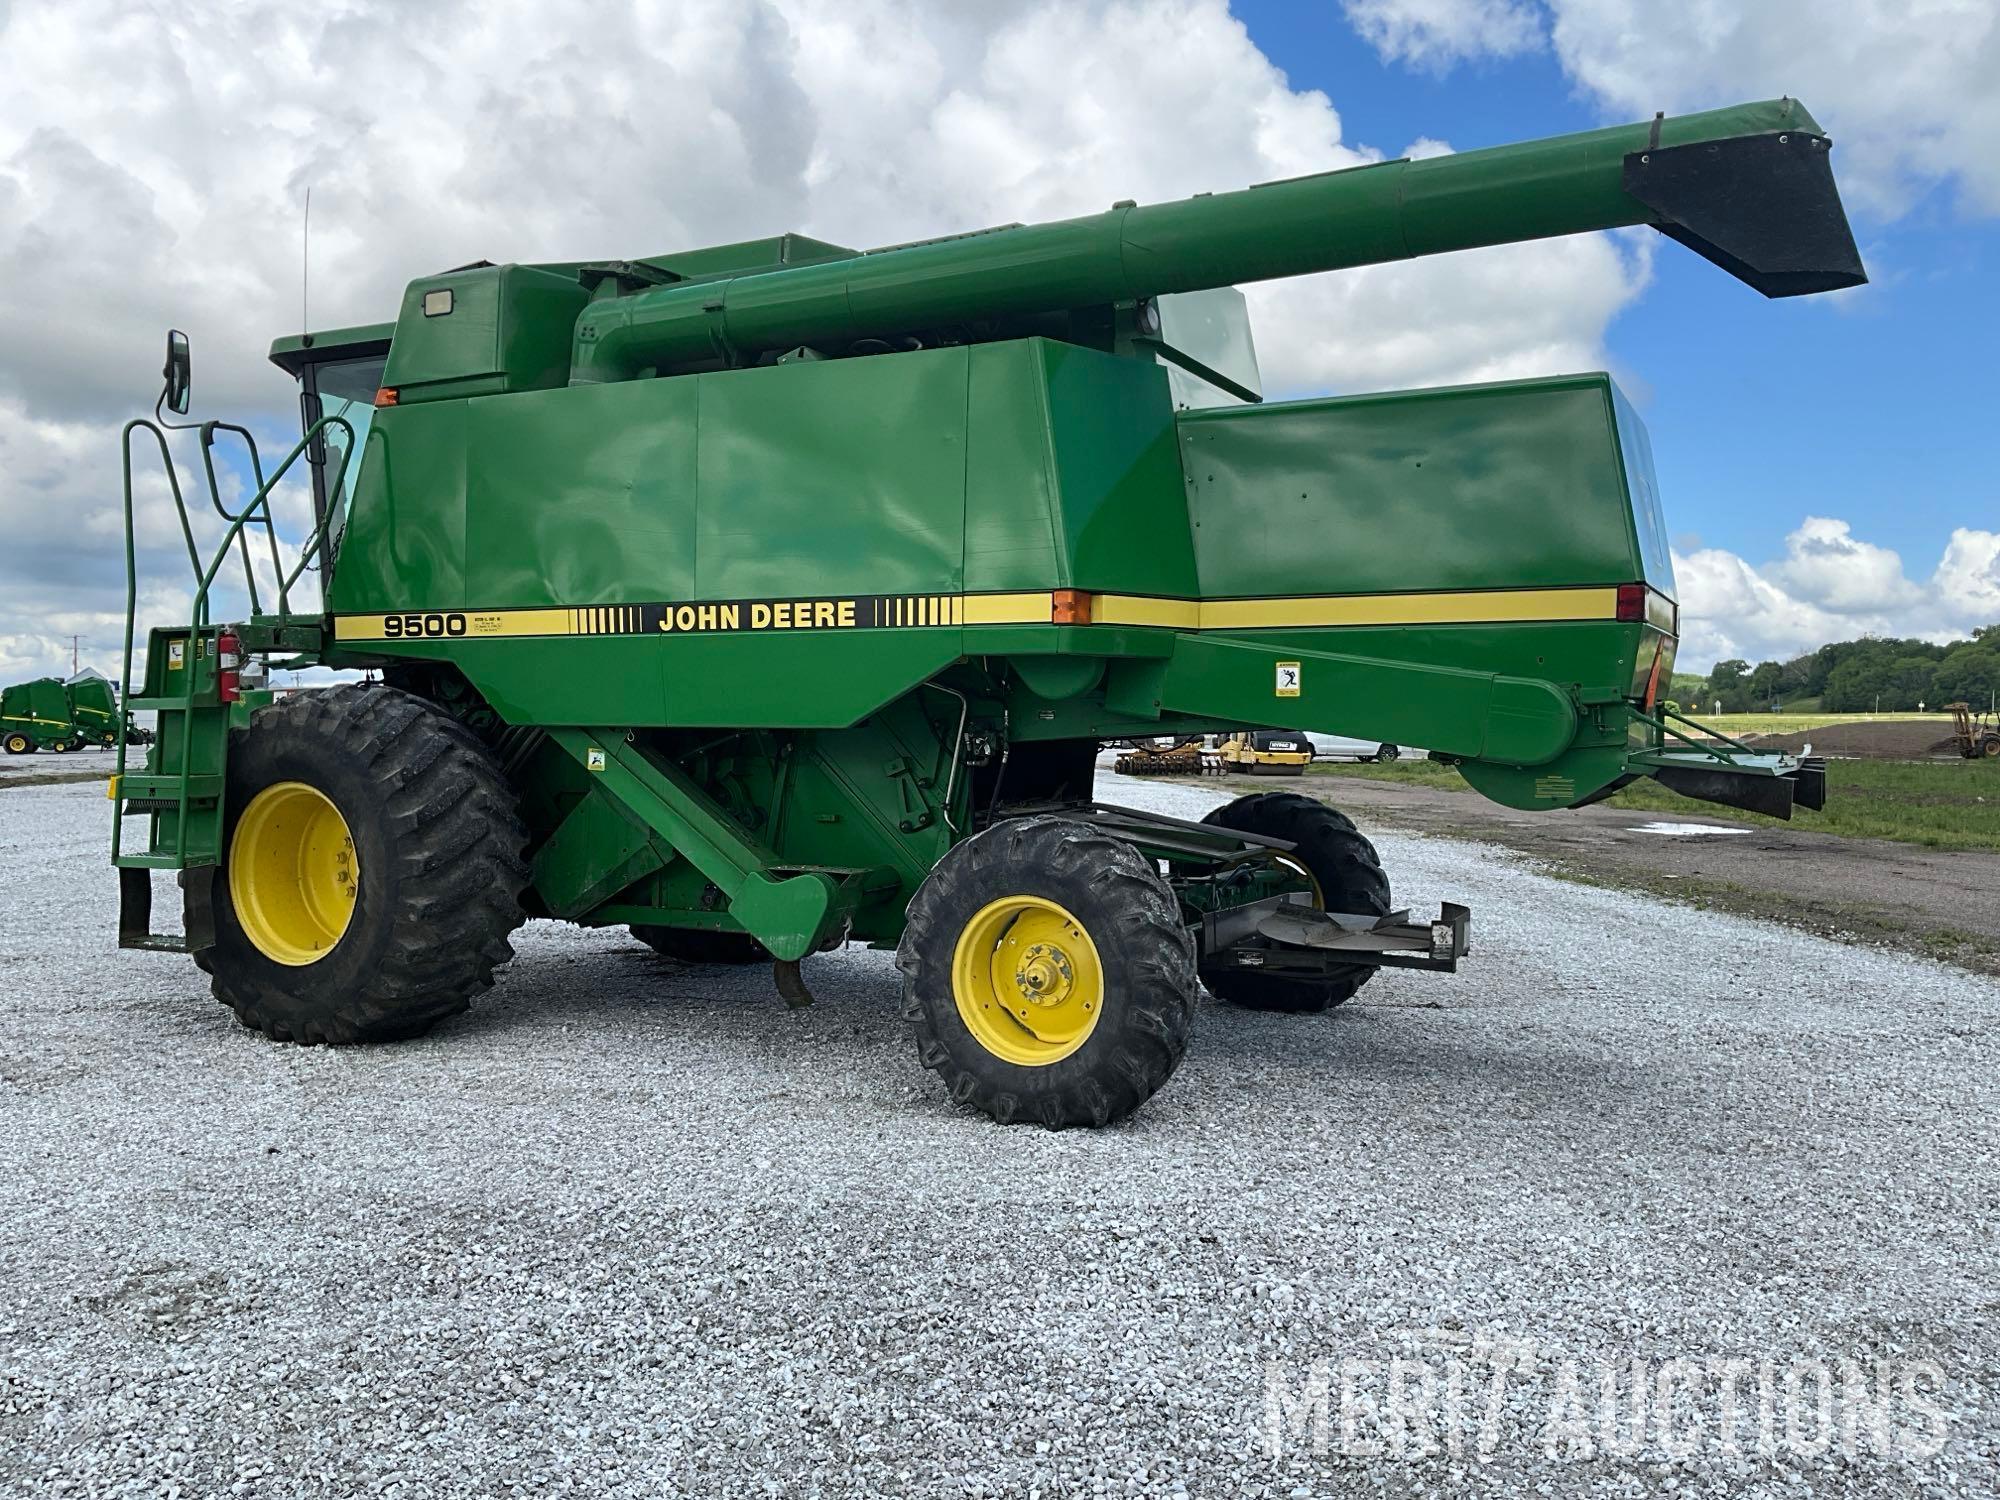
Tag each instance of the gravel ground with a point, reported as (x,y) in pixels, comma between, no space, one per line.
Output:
(47,765)
(634,1229)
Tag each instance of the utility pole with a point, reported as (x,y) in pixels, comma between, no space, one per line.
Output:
(75,643)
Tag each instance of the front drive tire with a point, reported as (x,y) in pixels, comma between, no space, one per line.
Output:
(372,871)
(1047,974)
(1349,878)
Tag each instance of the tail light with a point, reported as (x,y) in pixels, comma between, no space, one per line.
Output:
(228,667)
(1631,602)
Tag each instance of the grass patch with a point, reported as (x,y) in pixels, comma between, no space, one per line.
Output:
(1422,772)
(1940,805)
(1741,724)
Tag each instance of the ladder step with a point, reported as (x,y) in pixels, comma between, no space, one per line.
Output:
(162,862)
(156,703)
(156,942)
(201,787)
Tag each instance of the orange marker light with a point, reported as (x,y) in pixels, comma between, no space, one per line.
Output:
(1653,677)
(386,396)
(1069,607)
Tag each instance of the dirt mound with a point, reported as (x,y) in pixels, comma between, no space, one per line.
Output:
(1888,740)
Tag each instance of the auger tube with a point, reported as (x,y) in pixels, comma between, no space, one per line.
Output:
(1749,187)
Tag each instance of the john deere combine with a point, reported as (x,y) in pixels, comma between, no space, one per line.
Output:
(770,596)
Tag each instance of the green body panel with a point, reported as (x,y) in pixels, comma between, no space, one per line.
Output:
(569,502)
(1123,527)
(508,328)
(852,478)
(1070,456)
(831,478)
(405,541)
(1517,485)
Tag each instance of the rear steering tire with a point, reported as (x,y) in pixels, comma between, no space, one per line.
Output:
(372,868)
(1348,876)
(693,945)
(1047,974)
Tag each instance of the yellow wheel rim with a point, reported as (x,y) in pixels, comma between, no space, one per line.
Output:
(1027,979)
(1297,867)
(293,877)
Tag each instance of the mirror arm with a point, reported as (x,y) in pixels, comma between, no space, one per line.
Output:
(160,416)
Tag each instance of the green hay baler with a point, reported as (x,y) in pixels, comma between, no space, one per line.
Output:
(37,715)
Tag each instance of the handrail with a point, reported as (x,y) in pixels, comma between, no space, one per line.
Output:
(1708,729)
(208,431)
(205,579)
(1710,751)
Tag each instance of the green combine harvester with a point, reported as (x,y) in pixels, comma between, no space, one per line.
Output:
(777,595)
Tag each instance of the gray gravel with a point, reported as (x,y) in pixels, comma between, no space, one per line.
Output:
(633,1229)
(47,763)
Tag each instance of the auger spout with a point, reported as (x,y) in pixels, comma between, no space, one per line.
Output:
(1749,187)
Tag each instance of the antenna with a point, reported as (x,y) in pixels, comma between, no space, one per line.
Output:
(305,268)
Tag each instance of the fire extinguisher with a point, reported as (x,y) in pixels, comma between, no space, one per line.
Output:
(228,666)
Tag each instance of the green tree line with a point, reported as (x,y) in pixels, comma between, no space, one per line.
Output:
(1854,677)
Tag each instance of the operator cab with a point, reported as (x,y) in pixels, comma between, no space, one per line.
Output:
(339,374)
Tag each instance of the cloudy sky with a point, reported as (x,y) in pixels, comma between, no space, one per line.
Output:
(1826,462)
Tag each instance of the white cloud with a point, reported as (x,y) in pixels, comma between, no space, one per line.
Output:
(1438,33)
(1968,577)
(1825,564)
(153,167)
(1830,585)
(1906,90)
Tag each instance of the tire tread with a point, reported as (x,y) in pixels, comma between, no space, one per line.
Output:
(460,873)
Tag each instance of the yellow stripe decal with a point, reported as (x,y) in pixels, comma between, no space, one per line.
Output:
(926,611)
(1488,607)
(1131,609)
(1006,609)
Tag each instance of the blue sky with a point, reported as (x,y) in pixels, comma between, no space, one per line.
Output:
(1876,407)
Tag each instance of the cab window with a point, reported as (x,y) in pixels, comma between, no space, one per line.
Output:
(342,388)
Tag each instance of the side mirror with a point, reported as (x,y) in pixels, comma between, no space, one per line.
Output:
(179,372)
